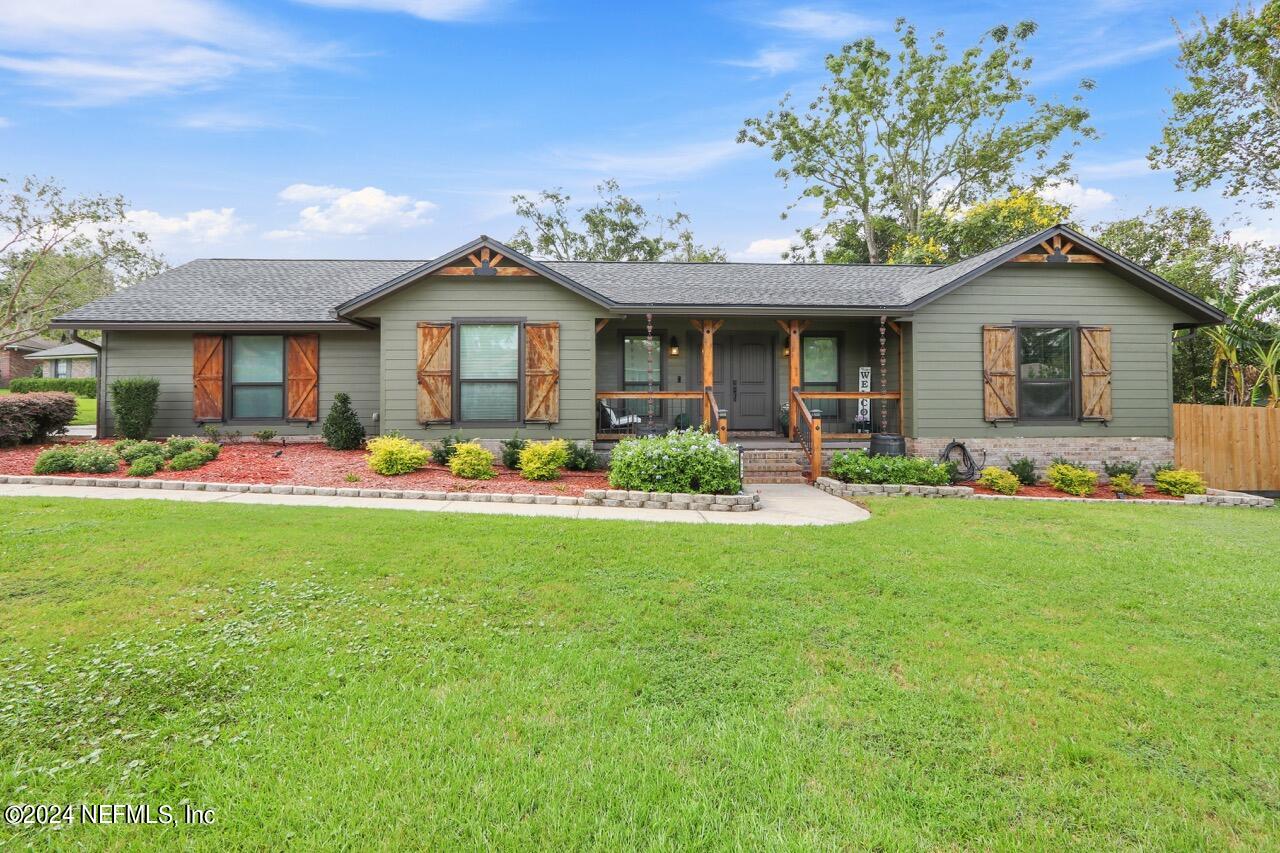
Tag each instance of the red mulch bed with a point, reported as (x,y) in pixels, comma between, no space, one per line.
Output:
(317,465)
(1042,490)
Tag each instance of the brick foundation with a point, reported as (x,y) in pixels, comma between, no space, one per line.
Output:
(1088,452)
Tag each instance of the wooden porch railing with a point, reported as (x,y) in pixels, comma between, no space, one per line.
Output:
(850,395)
(713,416)
(808,433)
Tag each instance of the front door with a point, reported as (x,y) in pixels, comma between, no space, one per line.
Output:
(751,405)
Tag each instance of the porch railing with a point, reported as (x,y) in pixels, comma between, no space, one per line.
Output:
(808,433)
(695,406)
(819,396)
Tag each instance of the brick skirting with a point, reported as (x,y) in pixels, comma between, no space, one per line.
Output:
(1089,452)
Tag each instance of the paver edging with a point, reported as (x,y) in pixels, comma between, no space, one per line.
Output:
(741,502)
(1213,497)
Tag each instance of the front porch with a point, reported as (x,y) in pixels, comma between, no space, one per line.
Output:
(759,382)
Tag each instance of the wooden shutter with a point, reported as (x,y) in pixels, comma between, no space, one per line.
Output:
(999,373)
(542,372)
(302,385)
(1095,373)
(435,373)
(206,373)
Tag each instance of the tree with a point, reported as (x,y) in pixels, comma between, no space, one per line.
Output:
(57,253)
(840,241)
(944,239)
(896,136)
(616,228)
(1185,247)
(1225,124)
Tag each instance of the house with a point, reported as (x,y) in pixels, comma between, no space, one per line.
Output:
(67,361)
(1051,345)
(13,363)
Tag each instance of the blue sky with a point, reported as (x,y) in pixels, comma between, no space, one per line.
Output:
(401,128)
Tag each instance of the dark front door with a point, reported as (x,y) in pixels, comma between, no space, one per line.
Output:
(750,389)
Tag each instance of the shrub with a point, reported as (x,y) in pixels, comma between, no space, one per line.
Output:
(132,451)
(999,480)
(265,435)
(680,461)
(211,432)
(176,444)
(471,461)
(442,450)
(145,466)
(542,460)
(188,460)
(342,429)
(57,460)
(133,402)
(511,448)
(582,458)
(1161,466)
(1179,482)
(95,459)
(1025,470)
(1115,469)
(393,454)
(207,450)
(1061,460)
(79,387)
(1072,480)
(34,417)
(1123,484)
(858,467)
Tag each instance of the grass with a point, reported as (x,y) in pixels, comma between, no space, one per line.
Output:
(86,410)
(949,674)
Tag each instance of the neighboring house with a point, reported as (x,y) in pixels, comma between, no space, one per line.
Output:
(67,361)
(13,362)
(1047,345)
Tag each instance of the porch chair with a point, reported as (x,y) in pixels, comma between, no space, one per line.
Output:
(608,419)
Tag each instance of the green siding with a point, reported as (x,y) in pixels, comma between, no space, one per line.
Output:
(445,299)
(348,363)
(947,359)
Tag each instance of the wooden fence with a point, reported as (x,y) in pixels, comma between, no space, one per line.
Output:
(1235,447)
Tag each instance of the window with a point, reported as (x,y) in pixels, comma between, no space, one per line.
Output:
(641,359)
(820,371)
(1046,373)
(257,377)
(61,368)
(489,372)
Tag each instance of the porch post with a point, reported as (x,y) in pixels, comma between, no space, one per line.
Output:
(793,328)
(708,329)
(902,426)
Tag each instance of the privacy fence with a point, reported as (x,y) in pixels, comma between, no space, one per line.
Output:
(1235,447)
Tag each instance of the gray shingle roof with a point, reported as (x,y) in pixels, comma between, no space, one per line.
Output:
(222,290)
(35,342)
(773,285)
(71,350)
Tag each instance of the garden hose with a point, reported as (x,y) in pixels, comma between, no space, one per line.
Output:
(966,468)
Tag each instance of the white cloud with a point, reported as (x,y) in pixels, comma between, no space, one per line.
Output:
(652,164)
(1131,167)
(197,226)
(228,121)
(1083,200)
(764,249)
(95,53)
(284,234)
(346,211)
(429,10)
(770,61)
(4,122)
(1268,234)
(1107,59)
(825,24)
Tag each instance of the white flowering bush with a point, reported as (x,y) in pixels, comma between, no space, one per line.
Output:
(680,461)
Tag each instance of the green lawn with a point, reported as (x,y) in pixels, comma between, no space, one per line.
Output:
(86,410)
(949,674)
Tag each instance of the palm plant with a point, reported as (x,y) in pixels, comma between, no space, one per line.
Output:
(1247,330)
(1268,384)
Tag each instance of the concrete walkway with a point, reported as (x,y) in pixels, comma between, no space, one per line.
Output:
(781,505)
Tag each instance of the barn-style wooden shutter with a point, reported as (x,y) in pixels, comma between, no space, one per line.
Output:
(435,373)
(999,373)
(542,372)
(1095,373)
(302,386)
(206,373)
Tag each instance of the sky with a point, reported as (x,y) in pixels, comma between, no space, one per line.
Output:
(401,128)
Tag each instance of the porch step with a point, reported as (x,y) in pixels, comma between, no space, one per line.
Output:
(773,466)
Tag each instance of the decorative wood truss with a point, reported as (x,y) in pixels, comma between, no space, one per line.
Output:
(486,263)
(1057,251)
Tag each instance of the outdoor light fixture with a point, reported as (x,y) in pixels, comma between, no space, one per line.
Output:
(675,346)
(786,347)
